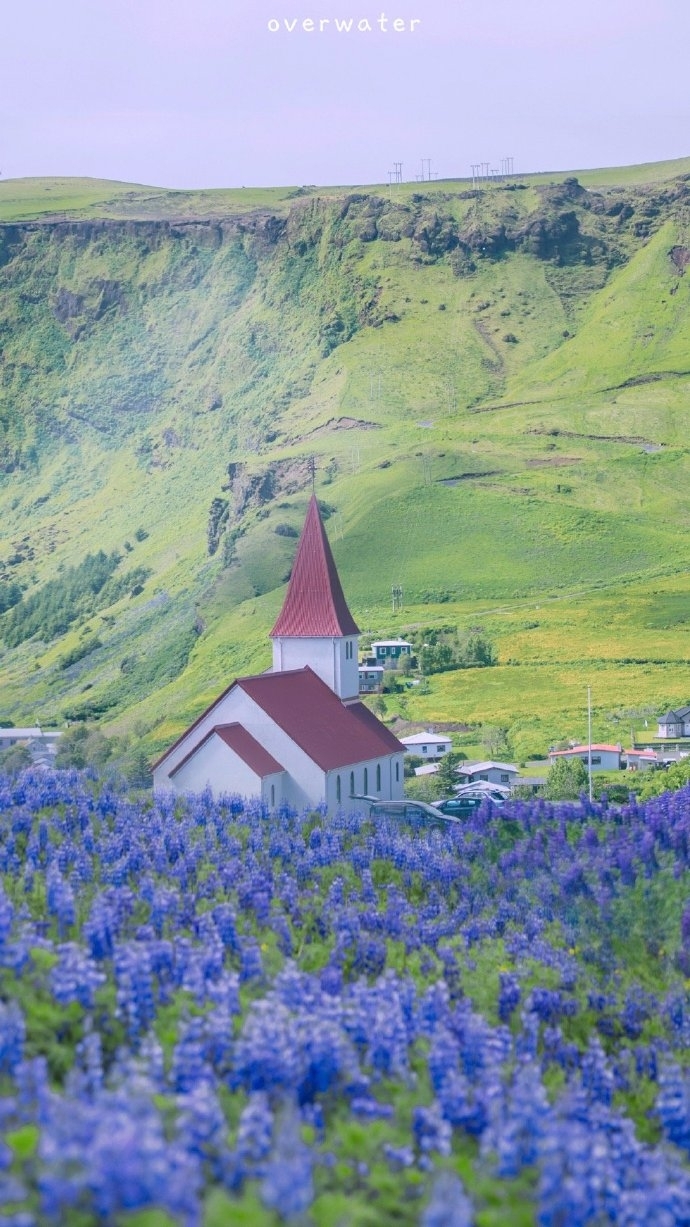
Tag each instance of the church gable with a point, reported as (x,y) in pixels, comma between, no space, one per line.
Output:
(227,752)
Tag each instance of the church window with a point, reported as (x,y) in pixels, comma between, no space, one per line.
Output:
(366,781)
(378,777)
(352,783)
(273,796)
(337,788)
(397,773)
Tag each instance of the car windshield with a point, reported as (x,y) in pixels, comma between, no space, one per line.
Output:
(412,813)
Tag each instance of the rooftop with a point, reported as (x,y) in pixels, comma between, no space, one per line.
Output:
(471,768)
(333,734)
(418,739)
(585,750)
(6,733)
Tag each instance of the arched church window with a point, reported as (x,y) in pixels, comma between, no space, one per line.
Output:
(352,783)
(337,788)
(378,777)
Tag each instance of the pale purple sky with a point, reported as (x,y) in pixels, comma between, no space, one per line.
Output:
(203,94)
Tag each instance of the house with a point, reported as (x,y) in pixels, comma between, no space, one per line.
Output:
(490,772)
(428,745)
(296,735)
(43,743)
(370,678)
(675,723)
(604,757)
(389,651)
(640,760)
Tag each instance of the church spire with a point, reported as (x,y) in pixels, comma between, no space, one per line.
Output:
(314,605)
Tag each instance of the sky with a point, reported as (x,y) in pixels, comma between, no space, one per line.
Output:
(231,93)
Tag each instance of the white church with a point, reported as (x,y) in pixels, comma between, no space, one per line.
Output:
(297,734)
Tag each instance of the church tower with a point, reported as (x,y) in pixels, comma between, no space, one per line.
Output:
(315,626)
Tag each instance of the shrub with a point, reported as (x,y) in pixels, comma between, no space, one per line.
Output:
(78,592)
(566,779)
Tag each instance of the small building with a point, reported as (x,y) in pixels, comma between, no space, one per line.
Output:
(389,651)
(640,760)
(428,745)
(427,769)
(604,757)
(41,742)
(370,679)
(675,723)
(505,774)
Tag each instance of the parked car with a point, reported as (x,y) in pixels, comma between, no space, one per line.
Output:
(467,803)
(412,813)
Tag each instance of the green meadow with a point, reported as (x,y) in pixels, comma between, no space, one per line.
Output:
(494,385)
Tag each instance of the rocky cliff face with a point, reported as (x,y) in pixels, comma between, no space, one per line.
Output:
(104,323)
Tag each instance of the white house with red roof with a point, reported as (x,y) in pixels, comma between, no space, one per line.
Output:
(604,757)
(640,760)
(297,734)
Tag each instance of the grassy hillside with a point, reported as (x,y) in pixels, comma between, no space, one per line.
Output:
(494,385)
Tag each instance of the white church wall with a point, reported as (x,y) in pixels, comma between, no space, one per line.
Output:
(274,789)
(319,654)
(335,661)
(391,788)
(347,667)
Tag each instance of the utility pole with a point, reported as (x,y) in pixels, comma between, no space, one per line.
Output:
(589,739)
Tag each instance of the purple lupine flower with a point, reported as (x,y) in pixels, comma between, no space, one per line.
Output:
(12,1036)
(288,1184)
(449,1205)
(508,995)
(431,1131)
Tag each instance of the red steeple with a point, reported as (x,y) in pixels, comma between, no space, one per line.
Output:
(314,606)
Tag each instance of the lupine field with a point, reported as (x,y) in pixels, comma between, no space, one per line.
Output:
(210,1014)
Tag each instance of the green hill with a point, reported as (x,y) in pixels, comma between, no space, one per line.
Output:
(493,382)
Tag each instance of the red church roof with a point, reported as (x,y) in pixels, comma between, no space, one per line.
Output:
(330,732)
(314,605)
